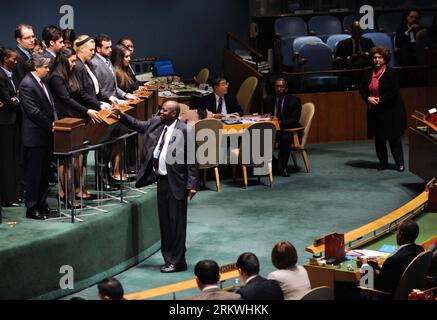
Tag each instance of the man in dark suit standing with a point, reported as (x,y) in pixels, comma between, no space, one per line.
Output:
(37,131)
(256,287)
(287,108)
(221,103)
(25,38)
(353,53)
(54,42)
(165,161)
(389,275)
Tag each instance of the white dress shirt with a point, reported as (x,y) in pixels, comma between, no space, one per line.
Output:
(217,98)
(162,168)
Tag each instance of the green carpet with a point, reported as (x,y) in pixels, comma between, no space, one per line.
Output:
(343,191)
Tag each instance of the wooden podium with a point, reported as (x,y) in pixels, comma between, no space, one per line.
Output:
(97,133)
(150,103)
(68,135)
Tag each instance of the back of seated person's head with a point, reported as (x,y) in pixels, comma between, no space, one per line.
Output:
(248,263)
(207,272)
(77,298)
(110,289)
(284,255)
(407,232)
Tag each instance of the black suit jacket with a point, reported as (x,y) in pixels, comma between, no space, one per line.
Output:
(38,113)
(21,70)
(8,113)
(389,119)
(232,105)
(345,49)
(290,116)
(67,101)
(393,268)
(181,176)
(260,288)
(88,97)
(403,40)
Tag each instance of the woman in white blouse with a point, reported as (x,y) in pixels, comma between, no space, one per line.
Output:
(292,278)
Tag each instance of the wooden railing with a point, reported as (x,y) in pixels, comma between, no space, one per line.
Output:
(380,226)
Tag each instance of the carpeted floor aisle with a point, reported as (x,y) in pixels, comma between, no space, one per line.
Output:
(343,191)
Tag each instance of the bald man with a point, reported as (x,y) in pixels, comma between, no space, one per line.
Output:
(353,53)
(165,161)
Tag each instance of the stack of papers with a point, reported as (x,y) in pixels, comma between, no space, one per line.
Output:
(364,253)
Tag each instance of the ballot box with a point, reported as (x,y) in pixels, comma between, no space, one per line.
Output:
(68,135)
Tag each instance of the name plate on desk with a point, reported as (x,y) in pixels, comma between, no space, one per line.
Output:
(68,135)
(97,133)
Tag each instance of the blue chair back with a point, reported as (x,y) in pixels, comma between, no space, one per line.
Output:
(324,25)
(389,22)
(382,39)
(318,57)
(291,26)
(301,41)
(335,39)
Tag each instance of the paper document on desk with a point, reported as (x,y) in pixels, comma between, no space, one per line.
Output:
(166,94)
(367,253)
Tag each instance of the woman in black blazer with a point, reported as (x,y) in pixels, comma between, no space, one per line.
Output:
(68,95)
(386,116)
(10,141)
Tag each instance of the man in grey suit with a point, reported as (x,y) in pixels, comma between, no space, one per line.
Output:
(165,161)
(207,277)
(105,72)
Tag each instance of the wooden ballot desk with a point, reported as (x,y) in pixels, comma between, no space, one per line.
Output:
(150,100)
(329,275)
(423,148)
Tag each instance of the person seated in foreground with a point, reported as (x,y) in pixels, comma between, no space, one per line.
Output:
(207,278)
(110,289)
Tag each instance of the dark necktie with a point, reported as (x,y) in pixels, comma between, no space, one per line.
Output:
(55,116)
(10,77)
(219,107)
(158,154)
(279,103)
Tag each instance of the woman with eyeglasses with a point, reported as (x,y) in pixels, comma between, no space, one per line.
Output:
(386,116)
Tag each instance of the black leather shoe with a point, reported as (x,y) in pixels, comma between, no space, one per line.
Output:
(285,173)
(35,215)
(11,205)
(49,212)
(382,166)
(164,266)
(174,268)
(400,168)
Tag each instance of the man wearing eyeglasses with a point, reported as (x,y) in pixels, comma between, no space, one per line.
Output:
(25,38)
(405,41)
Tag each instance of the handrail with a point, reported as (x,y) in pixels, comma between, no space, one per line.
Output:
(427,123)
(375,225)
(175,287)
(346,71)
(230,35)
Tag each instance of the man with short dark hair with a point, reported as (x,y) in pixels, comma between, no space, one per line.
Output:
(110,289)
(25,38)
(207,278)
(405,40)
(105,72)
(287,109)
(165,160)
(52,37)
(256,287)
(387,277)
(220,102)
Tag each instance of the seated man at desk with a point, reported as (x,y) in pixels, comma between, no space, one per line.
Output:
(222,103)
(388,276)
(287,108)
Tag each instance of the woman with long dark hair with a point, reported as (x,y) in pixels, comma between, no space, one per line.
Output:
(66,92)
(120,58)
(10,142)
(386,116)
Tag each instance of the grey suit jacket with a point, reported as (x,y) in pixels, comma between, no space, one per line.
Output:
(181,175)
(216,294)
(107,79)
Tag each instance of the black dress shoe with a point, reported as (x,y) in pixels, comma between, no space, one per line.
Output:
(174,268)
(35,215)
(285,173)
(11,205)
(164,266)
(400,168)
(382,166)
(49,212)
